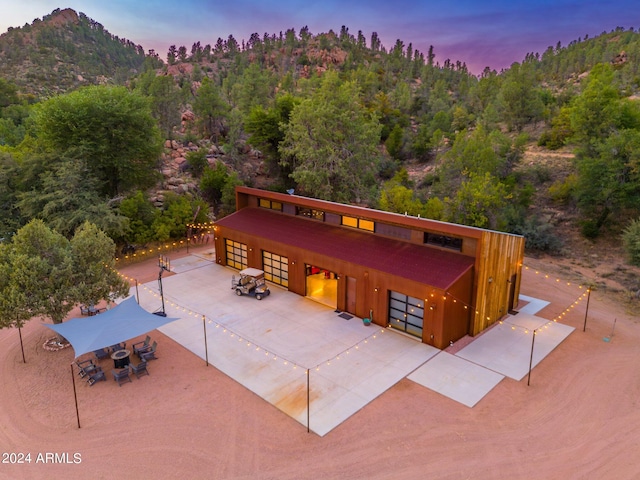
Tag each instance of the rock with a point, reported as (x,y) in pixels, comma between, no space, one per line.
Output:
(188,116)
(175,181)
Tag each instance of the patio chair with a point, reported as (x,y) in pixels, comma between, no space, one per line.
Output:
(118,346)
(141,346)
(84,310)
(96,376)
(140,369)
(150,353)
(121,376)
(101,353)
(85,367)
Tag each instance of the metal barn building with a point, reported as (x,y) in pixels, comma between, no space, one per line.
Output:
(433,280)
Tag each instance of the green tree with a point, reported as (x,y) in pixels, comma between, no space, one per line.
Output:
(165,103)
(331,143)
(141,213)
(10,218)
(45,275)
(177,212)
(16,303)
(394,142)
(520,97)
(609,181)
(607,131)
(213,181)
(65,195)
(210,109)
(595,112)
(478,202)
(228,200)
(267,127)
(43,268)
(95,276)
(255,88)
(111,129)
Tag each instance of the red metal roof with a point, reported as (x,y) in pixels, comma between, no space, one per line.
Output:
(427,265)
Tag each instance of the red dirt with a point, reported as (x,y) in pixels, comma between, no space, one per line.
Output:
(577,420)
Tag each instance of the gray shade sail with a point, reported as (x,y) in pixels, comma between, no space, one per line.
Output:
(123,322)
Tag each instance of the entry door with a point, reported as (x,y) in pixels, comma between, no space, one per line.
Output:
(351,295)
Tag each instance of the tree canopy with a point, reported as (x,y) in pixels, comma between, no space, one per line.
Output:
(46,275)
(110,129)
(331,143)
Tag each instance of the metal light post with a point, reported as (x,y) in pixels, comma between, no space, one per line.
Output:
(163,263)
(586,313)
(533,341)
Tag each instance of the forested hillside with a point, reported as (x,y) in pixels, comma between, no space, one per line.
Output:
(332,115)
(63,51)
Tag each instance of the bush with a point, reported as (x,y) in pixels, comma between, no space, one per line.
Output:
(562,191)
(631,241)
(197,161)
(590,229)
(539,236)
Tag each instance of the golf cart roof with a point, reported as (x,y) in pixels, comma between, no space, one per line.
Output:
(251,272)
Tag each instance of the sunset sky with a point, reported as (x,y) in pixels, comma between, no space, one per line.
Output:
(492,33)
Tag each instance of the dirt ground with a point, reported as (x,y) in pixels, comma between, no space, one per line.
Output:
(578,419)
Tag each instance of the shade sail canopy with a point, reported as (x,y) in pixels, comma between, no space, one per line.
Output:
(127,320)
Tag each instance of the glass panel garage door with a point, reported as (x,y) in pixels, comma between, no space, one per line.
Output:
(236,254)
(276,268)
(406,313)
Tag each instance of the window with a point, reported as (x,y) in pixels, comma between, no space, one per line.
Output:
(270,204)
(443,241)
(310,213)
(360,223)
(236,253)
(276,268)
(406,313)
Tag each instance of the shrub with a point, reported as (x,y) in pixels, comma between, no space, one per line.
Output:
(562,191)
(631,241)
(197,161)
(539,236)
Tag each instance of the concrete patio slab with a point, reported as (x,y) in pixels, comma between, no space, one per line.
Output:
(533,306)
(456,378)
(506,347)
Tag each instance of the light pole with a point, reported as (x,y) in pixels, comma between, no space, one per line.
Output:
(163,263)
(533,341)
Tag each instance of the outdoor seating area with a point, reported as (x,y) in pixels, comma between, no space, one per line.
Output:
(123,368)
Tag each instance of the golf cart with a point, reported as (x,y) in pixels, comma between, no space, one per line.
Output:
(251,282)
